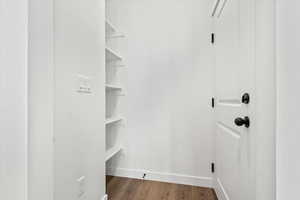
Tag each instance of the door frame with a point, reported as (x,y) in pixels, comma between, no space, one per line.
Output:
(14,99)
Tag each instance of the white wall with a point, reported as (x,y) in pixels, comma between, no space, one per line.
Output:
(288,45)
(76,155)
(170,85)
(79,118)
(41,83)
(13,101)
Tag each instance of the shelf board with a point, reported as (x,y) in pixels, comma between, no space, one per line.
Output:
(111,55)
(112,152)
(109,27)
(111,36)
(113,87)
(113,120)
(111,30)
(115,65)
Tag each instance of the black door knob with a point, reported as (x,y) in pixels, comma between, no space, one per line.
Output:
(246,98)
(242,122)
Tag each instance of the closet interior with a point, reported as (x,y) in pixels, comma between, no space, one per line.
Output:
(154,59)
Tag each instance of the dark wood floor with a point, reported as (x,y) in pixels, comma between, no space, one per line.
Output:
(133,189)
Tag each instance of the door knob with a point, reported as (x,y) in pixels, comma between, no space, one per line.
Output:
(246,98)
(242,122)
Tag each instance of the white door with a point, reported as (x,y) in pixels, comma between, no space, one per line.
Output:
(234,68)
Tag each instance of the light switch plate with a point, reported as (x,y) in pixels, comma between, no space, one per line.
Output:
(83,84)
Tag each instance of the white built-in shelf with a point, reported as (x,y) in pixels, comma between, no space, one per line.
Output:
(119,35)
(112,120)
(113,87)
(111,55)
(112,152)
(115,65)
(112,31)
(109,27)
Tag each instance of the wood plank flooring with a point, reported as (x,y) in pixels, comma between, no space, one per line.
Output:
(132,189)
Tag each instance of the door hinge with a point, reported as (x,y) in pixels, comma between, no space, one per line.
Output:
(213,38)
(212,167)
(213,102)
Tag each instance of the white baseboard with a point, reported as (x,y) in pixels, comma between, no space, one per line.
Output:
(162,177)
(220,190)
(105,197)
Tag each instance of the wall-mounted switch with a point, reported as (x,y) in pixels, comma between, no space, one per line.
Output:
(83,84)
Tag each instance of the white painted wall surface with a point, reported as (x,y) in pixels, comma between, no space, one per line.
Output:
(288,45)
(170,85)
(41,100)
(13,101)
(79,44)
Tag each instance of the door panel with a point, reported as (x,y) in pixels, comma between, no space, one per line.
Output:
(228,70)
(227,114)
(228,144)
(234,67)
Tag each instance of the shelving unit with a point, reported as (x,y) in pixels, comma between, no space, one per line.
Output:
(113,59)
